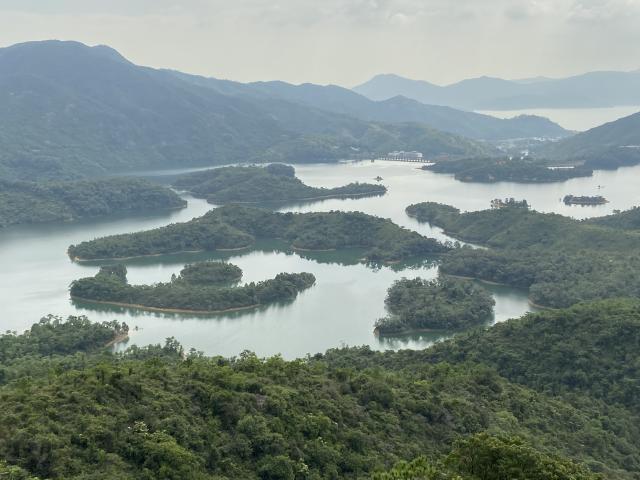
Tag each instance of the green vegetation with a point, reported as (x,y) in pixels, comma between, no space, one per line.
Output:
(211,273)
(234,226)
(509,202)
(487,457)
(609,146)
(627,220)
(444,303)
(562,261)
(197,288)
(113,116)
(490,170)
(28,202)
(273,183)
(521,400)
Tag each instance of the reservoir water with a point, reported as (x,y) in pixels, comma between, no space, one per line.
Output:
(339,310)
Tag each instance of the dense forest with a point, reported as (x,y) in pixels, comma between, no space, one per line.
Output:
(562,261)
(201,287)
(489,457)
(273,183)
(520,170)
(440,304)
(549,396)
(627,220)
(29,202)
(235,226)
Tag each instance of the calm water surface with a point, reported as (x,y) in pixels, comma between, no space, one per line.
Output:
(339,310)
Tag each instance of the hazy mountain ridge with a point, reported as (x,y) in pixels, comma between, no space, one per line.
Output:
(592,89)
(68,110)
(399,109)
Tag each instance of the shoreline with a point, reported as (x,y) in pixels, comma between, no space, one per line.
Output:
(406,333)
(165,310)
(148,255)
(489,282)
(80,219)
(306,199)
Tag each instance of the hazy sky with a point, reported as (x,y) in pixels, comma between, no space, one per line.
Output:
(344,42)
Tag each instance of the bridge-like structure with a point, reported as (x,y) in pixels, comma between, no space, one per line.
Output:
(395,158)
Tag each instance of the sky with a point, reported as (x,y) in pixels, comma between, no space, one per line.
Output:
(344,42)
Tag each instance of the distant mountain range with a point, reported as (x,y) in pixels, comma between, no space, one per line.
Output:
(594,89)
(395,110)
(68,110)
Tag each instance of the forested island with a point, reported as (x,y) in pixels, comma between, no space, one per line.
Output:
(584,200)
(30,202)
(550,395)
(200,288)
(440,304)
(560,260)
(519,170)
(237,227)
(275,183)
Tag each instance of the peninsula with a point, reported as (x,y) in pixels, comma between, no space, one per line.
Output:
(238,227)
(276,183)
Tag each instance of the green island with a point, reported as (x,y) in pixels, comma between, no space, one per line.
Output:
(549,396)
(30,202)
(238,227)
(584,200)
(272,183)
(560,260)
(440,304)
(520,170)
(200,288)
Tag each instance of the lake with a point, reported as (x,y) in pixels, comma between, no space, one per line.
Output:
(339,310)
(579,119)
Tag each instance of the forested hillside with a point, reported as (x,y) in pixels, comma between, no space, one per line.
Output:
(30,202)
(160,412)
(68,110)
(560,260)
(608,146)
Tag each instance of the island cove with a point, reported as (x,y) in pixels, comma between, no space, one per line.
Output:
(238,227)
